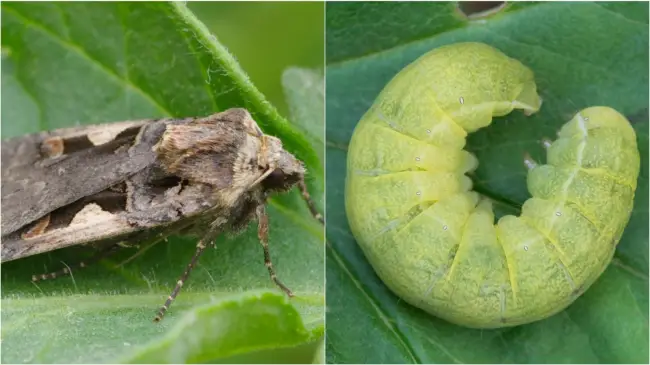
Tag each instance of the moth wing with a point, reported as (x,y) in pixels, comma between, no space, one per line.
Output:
(25,150)
(92,226)
(33,186)
(90,230)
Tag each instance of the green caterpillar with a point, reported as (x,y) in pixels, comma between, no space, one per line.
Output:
(433,241)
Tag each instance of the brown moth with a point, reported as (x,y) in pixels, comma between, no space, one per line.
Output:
(107,185)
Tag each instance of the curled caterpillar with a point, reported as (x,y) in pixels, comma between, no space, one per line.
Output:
(434,242)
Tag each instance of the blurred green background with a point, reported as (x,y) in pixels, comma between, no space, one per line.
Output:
(268,37)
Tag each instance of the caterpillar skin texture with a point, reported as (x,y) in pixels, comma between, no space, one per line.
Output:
(433,241)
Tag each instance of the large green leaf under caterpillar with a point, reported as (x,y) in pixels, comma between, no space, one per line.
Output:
(434,242)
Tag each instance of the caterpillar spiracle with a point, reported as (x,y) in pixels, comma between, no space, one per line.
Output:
(434,242)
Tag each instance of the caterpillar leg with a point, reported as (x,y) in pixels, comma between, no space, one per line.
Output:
(529,162)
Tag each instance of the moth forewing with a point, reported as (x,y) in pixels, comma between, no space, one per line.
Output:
(35,183)
(202,176)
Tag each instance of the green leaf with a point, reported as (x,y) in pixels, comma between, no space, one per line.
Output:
(359,29)
(582,55)
(305,92)
(224,330)
(65,64)
(268,37)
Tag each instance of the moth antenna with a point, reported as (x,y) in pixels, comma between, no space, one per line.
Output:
(310,203)
(264,175)
(200,248)
(82,264)
(263,235)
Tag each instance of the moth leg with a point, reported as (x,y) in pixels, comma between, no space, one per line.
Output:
(200,248)
(310,203)
(142,250)
(263,235)
(82,264)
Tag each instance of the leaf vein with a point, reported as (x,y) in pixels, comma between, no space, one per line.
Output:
(81,52)
(399,336)
(32,95)
(603,69)
(620,15)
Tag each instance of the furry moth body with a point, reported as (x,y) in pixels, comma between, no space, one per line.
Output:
(433,241)
(108,184)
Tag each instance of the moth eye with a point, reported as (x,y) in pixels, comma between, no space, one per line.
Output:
(276,175)
(275,180)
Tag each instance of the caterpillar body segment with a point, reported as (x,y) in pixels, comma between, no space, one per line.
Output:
(434,242)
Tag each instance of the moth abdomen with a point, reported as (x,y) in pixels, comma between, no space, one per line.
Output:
(434,242)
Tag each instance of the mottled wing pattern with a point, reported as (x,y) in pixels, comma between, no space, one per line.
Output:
(33,186)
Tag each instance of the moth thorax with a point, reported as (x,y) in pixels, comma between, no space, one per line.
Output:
(287,169)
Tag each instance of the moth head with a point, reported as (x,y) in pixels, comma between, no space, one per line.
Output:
(282,169)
